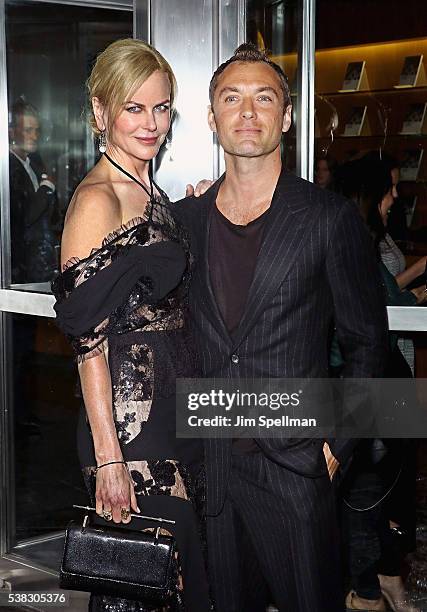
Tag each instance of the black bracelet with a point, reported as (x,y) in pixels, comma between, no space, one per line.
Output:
(108,463)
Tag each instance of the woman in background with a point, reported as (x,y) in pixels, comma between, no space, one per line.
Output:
(379,466)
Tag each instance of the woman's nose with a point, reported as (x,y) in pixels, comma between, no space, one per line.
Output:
(149,122)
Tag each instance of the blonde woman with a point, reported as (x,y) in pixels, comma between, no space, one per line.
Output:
(121,299)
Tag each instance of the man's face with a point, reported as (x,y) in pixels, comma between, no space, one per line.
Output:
(248,110)
(26,133)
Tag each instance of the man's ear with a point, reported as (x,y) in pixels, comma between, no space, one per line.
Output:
(211,119)
(287,118)
(99,113)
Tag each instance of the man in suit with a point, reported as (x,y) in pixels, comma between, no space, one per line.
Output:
(277,259)
(32,201)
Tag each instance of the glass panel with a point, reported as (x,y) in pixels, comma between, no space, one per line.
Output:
(50,50)
(371,94)
(273,26)
(46,402)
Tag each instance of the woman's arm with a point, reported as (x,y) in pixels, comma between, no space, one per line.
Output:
(114,486)
(91,216)
(407,276)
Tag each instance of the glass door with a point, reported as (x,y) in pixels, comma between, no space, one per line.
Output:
(50,48)
(284,30)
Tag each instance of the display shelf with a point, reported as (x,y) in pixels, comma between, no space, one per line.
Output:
(399,137)
(372,92)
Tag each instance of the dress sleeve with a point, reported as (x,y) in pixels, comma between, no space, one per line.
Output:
(89,311)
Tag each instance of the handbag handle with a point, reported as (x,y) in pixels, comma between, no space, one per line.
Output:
(157,519)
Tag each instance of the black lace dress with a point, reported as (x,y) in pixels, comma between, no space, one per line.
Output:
(128,300)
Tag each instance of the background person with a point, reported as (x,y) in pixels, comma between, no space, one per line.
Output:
(33,201)
(379,467)
(324,173)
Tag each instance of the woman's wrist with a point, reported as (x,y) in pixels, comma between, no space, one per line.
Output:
(103,465)
(103,456)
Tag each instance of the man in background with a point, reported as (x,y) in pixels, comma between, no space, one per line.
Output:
(32,201)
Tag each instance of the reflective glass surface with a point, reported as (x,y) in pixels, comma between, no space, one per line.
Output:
(371,95)
(45,401)
(273,26)
(50,51)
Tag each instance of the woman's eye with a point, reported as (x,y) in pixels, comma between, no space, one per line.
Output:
(133,109)
(162,108)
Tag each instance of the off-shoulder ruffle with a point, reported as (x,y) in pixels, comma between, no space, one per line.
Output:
(116,287)
(109,238)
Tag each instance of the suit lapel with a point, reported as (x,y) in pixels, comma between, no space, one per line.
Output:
(289,221)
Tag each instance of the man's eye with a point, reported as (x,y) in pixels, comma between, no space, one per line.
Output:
(230,98)
(162,108)
(264,99)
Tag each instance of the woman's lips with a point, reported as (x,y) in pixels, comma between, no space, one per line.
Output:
(149,141)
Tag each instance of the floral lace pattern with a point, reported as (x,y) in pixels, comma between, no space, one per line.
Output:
(132,385)
(156,477)
(156,225)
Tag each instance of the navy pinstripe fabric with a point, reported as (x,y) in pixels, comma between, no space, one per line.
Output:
(316,264)
(293,554)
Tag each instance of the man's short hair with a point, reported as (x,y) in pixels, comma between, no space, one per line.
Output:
(248,52)
(20,108)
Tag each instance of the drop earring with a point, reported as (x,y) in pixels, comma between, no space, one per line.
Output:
(102,142)
(168,146)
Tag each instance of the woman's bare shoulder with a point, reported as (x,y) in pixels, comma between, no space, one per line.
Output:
(93,213)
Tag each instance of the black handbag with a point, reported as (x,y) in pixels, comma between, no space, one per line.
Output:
(109,560)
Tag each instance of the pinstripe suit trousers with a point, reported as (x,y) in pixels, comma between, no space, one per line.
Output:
(275,540)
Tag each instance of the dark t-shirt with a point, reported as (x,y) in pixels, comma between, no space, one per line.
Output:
(233,252)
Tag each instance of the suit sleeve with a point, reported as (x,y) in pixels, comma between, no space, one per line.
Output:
(359,304)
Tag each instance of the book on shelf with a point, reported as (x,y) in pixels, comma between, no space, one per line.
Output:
(413,122)
(355,77)
(357,125)
(411,165)
(413,72)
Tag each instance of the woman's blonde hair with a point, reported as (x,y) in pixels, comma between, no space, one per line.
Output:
(119,71)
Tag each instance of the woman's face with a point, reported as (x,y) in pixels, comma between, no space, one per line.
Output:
(142,125)
(323,174)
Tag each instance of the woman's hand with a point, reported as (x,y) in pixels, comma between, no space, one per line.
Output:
(201,187)
(115,494)
(421,294)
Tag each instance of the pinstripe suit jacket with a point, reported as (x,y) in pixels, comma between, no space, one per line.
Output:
(316,263)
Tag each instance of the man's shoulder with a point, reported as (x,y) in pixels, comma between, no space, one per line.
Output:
(301,190)
(190,208)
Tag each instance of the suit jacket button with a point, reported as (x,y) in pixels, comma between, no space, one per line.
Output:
(235,358)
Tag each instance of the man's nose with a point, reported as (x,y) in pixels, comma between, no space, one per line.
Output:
(248,109)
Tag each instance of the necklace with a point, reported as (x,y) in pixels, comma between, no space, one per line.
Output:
(129,175)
